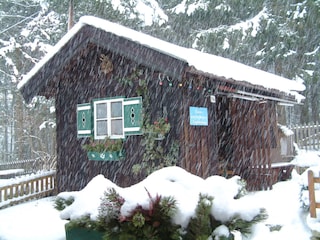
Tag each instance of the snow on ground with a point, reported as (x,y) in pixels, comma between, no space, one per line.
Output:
(35,220)
(39,220)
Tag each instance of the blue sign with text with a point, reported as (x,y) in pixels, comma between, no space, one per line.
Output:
(198,116)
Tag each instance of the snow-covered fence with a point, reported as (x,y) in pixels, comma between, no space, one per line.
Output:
(34,187)
(29,165)
(312,196)
(307,136)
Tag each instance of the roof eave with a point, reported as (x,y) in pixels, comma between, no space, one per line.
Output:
(249,89)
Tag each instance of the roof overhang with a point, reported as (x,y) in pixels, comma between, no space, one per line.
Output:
(175,62)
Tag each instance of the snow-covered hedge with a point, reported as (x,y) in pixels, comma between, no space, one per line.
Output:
(228,207)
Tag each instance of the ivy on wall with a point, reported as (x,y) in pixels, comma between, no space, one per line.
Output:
(159,152)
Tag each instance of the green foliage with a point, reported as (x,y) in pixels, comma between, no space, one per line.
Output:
(152,223)
(245,226)
(61,203)
(315,235)
(155,221)
(160,127)
(106,145)
(156,156)
(199,227)
(242,191)
(304,204)
(83,222)
(273,228)
(109,210)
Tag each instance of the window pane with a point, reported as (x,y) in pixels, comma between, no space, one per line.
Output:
(101,110)
(116,109)
(116,127)
(102,128)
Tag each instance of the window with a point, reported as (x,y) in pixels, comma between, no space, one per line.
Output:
(113,117)
(108,118)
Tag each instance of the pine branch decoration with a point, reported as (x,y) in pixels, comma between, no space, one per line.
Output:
(106,65)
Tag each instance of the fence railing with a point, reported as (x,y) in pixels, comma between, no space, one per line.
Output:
(307,136)
(312,196)
(33,188)
(27,166)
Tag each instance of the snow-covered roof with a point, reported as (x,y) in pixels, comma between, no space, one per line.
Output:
(208,63)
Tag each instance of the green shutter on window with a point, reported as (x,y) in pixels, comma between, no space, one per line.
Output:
(132,116)
(84,120)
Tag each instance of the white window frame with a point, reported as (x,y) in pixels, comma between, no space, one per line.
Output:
(108,118)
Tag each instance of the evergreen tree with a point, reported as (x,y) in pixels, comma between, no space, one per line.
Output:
(25,36)
(199,227)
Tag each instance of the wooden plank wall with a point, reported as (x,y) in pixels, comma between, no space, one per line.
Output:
(199,148)
(74,170)
(254,133)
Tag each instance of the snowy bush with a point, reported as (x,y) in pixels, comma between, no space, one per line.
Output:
(170,202)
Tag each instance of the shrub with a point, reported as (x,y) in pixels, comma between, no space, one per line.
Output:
(142,224)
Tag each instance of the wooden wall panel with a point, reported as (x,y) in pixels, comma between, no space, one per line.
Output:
(74,170)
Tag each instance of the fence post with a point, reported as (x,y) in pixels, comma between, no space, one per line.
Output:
(312,198)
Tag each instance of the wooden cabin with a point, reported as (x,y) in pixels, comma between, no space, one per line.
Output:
(222,114)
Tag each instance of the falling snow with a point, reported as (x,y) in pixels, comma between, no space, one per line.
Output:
(205,62)
(39,220)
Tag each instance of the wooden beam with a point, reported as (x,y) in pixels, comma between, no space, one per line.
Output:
(71,14)
(312,198)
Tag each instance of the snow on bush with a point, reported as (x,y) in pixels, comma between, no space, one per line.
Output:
(228,204)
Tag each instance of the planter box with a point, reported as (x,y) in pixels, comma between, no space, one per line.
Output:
(79,233)
(82,234)
(106,156)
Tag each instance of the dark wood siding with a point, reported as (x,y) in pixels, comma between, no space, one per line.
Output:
(74,170)
(240,137)
(254,137)
(198,143)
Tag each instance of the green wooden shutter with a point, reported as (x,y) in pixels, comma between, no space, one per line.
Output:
(84,120)
(132,113)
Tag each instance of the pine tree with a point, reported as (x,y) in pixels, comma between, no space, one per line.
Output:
(199,227)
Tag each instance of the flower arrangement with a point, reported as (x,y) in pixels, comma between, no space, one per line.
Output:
(155,222)
(105,150)
(120,215)
(142,224)
(106,145)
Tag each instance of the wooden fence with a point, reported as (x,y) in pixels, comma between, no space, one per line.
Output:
(26,166)
(307,136)
(33,188)
(312,196)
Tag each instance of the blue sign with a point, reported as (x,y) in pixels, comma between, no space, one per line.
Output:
(198,116)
